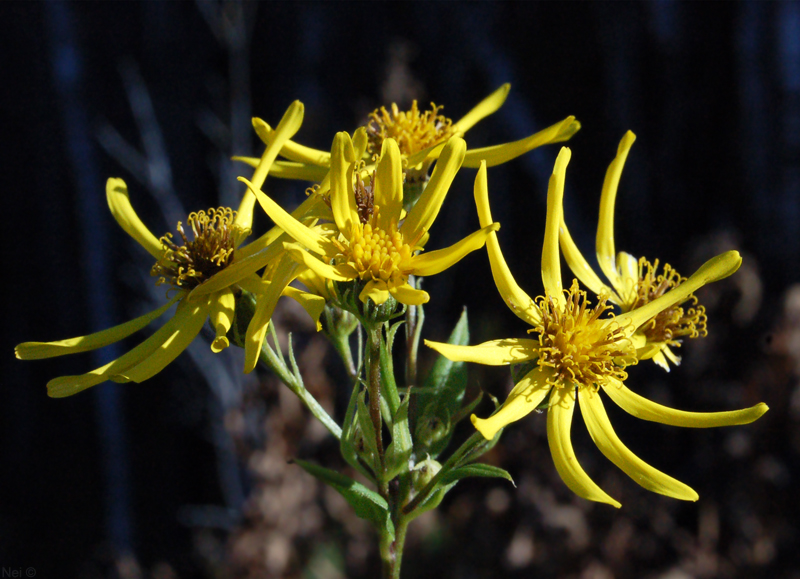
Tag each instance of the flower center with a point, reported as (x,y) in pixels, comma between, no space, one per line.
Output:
(376,253)
(674,322)
(582,349)
(211,251)
(413,130)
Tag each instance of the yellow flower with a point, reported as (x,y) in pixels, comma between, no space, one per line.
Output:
(206,273)
(369,239)
(635,282)
(579,352)
(420,137)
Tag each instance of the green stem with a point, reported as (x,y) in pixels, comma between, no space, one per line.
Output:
(374,389)
(399,543)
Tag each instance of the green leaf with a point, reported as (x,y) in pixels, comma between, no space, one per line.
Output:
(399,450)
(481,470)
(347,445)
(367,504)
(388,384)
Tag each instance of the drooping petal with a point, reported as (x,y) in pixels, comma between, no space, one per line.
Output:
(559,422)
(605,225)
(288,169)
(515,298)
(405,294)
(291,150)
(499,154)
(40,350)
(305,235)
(223,306)
(714,269)
(551,260)
(120,205)
(522,400)
(312,304)
(492,353)
(341,272)
(645,409)
(289,125)
(581,268)
(343,201)
(389,185)
(601,431)
(376,289)
(483,109)
(423,214)
(433,262)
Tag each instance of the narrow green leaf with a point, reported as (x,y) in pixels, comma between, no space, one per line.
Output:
(480,470)
(347,443)
(399,450)
(388,384)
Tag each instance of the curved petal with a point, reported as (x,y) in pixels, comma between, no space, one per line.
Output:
(289,125)
(601,431)
(605,223)
(551,260)
(377,290)
(389,185)
(287,169)
(312,304)
(484,108)
(223,307)
(499,154)
(239,270)
(581,268)
(645,409)
(492,353)
(120,205)
(423,214)
(405,294)
(434,262)
(523,399)
(305,235)
(714,269)
(559,421)
(40,350)
(514,296)
(341,272)
(360,143)
(291,150)
(343,201)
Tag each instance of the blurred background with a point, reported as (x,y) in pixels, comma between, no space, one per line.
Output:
(186,475)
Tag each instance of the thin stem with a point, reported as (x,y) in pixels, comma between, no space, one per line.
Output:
(374,387)
(399,543)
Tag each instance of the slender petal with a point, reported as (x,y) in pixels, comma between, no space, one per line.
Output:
(341,272)
(405,294)
(559,421)
(312,304)
(389,184)
(492,353)
(291,150)
(288,169)
(714,269)
(551,261)
(302,233)
(40,350)
(581,268)
(499,154)
(601,431)
(514,296)
(522,400)
(434,262)
(289,125)
(377,290)
(120,204)
(605,224)
(484,108)
(360,143)
(343,201)
(423,214)
(223,306)
(645,409)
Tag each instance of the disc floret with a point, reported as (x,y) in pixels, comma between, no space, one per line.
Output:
(413,130)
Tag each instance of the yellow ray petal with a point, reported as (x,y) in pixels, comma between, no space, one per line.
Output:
(483,109)
(389,184)
(498,154)
(714,269)
(312,304)
(196,315)
(605,224)
(360,143)
(405,294)
(434,262)
(239,270)
(291,150)
(343,201)
(121,209)
(40,350)
(601,431)
(288,169)
(645,409)
(423,214)
(581,268)
(377,290)
(658,358)
(290,123)
(223,307)
(559,421)
(551,260)
(492,353)
(515,298)
(342,272)
(305,235)
(627,280)
(522,400)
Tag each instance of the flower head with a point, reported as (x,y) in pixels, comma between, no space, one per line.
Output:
(635,282)
(579,350)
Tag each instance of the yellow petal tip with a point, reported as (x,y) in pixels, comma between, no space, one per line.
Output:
(481,426)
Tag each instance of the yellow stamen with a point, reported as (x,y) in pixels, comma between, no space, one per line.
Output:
(413,130)
(376,253)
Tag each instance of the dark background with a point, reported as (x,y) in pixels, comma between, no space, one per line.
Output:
(186,475)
